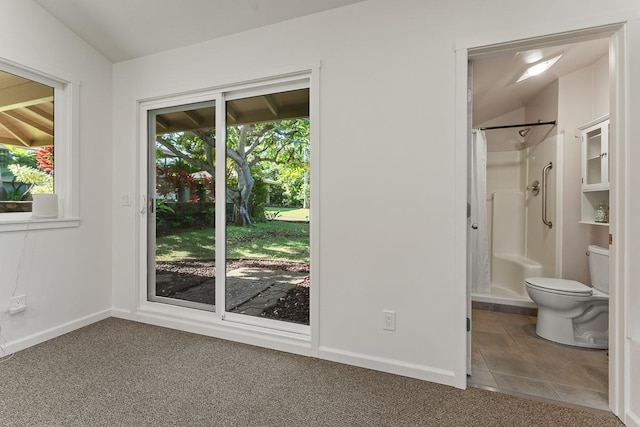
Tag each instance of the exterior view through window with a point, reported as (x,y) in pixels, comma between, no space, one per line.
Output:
(266,268)
(268,203)
(26,141)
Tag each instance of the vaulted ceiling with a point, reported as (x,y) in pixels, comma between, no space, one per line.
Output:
(495,87)
(126,29)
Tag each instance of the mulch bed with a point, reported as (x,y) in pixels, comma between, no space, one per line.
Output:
(294,307)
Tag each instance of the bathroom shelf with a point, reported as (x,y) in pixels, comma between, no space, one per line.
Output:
(596,188)
(594,223)
(595,168)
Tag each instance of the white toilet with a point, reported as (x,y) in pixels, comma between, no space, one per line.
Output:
(573,313)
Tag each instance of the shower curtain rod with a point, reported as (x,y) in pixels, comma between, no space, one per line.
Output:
(520,126)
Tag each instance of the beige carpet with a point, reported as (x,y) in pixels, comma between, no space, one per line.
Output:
(121,373)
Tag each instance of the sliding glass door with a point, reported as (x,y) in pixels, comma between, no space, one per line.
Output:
(181,226)
(267,227)
(263,177)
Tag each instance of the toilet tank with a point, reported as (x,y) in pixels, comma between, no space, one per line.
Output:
(599,267)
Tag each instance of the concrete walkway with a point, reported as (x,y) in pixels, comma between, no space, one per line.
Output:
(250,290)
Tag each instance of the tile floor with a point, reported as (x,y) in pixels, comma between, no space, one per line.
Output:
(508,355)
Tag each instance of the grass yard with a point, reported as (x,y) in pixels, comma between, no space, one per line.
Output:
(297,213)
(276,240)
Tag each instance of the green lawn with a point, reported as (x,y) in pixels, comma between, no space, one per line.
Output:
(289,212)
(271,240)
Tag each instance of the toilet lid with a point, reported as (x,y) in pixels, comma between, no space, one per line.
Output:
(564,286)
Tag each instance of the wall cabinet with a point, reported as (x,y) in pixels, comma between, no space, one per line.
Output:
(594,137)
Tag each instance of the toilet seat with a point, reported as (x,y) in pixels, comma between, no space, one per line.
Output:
(559,286)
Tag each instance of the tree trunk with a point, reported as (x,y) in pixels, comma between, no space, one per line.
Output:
(183,193)
(241,194)
(245,187)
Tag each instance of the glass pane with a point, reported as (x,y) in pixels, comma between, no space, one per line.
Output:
(594,157)
(184,219)
(267,232)
(26,142)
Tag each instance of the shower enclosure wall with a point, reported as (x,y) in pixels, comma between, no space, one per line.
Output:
(521,245)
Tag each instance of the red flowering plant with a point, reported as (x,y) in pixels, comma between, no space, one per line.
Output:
(175,178)
(44,156)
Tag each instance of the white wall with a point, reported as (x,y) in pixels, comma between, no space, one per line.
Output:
(582,97)
(369,68)
(600,87)
(541,240)
(65,273)
(543,107)
(505,171)
(387,108)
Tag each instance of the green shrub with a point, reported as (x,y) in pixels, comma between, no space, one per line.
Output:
(211,215)
(257,200)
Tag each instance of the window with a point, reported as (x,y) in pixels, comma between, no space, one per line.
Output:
(35,145)
(26,138)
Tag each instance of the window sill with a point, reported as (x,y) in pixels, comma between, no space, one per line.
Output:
(25,221)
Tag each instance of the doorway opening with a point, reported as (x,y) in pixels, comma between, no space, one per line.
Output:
(534,123)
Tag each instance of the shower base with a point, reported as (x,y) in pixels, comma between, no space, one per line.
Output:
(504,302)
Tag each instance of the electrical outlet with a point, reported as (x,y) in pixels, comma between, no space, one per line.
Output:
(389,319)
(17,304)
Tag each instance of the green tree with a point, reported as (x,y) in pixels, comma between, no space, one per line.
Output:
(249,148)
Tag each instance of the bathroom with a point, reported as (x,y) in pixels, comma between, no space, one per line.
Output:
(535,219)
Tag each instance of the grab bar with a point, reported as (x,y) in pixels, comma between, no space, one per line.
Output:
(545,172)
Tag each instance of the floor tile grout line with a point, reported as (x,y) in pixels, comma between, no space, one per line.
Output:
(556,396)
(577,387)
(585,374)
(551,383)
(568,353)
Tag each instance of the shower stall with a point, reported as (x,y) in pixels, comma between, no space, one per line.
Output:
(523,221)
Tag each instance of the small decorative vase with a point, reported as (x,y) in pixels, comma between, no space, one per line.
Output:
(45,205)
(601,213)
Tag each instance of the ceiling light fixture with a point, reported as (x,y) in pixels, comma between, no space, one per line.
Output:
(538,68)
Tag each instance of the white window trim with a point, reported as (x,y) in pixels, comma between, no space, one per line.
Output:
(66,131)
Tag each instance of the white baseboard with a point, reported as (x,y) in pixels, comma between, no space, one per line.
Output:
(391,366)
(47,334)
(632,420)
(245,334)
(252,336)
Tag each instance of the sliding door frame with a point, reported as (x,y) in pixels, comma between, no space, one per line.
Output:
(151,206)
(308,78)
(221,256)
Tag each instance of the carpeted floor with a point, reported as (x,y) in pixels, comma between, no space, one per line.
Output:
(121,373)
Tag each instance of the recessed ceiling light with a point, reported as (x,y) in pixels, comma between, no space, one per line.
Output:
(538,68)
(531,56)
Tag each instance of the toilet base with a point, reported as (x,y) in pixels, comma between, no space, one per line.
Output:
(588,330)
